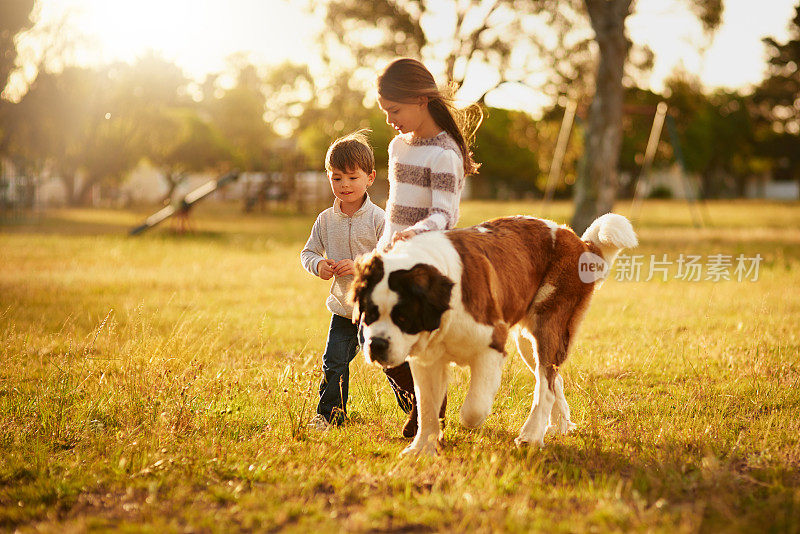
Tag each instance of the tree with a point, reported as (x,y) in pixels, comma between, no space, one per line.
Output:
(14,18)
(339,110)
(497,33)
(717,135)
(49,124)
(596,187)
(518,40)
(778,104)
(597,183)
(238,114)
(174,134)
(505,147)
(74,124)
(183,143)
(90,126)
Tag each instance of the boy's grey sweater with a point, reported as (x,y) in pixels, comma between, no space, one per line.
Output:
(338,237)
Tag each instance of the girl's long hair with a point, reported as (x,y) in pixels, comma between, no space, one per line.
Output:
(405,79)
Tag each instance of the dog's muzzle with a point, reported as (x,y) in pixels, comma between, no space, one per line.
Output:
(378,349)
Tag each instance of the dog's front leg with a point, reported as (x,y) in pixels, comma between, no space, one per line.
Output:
(484,381)
(430,385)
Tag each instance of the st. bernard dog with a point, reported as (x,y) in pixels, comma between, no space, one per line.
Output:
(455,296)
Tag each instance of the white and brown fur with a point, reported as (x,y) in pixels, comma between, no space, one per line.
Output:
(455,296)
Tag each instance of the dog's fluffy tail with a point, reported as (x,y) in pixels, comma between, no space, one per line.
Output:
(611,233)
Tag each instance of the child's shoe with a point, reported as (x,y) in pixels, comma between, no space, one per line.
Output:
(410,426)
(319,423)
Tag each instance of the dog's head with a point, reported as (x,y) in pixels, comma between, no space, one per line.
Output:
(397,306)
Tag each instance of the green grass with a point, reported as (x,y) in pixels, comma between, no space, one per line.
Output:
(163,383)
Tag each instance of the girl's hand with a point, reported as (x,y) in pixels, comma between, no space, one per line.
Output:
(325,269)
(344,267)
(402,235)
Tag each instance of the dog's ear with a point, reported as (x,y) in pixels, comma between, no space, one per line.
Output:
(436,290)
(426,284)
(369,271)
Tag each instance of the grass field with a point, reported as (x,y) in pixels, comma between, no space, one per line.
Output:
(163,383)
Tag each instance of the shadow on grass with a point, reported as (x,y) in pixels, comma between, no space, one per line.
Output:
(48,224)
(722,489)
(248,232)
(727,492)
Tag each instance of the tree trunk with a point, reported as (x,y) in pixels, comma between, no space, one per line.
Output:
(83,196)
(173,179)
(69,179)
(596,185)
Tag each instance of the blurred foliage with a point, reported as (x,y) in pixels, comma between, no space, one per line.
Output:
(176,135)
(92,126)
(715,133)
(238,115)
(777,102)
(337,111)
(508,36)
(183,142)
(709,12)
(74,122)
(549,46)
(14,18)
(717,137)
(506,147)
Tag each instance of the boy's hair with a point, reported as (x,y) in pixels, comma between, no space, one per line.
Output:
(406,79)
(351,152)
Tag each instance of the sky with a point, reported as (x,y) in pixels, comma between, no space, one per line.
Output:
(199,35)
(735,58)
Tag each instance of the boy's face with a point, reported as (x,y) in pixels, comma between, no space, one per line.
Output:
(350,185)
(403,116)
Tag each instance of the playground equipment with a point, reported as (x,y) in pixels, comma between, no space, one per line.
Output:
(182,207)
(561,149)
(696,206)
(699,218)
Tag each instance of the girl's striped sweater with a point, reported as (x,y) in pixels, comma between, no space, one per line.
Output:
(426,178)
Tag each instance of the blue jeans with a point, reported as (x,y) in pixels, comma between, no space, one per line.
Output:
(340,349)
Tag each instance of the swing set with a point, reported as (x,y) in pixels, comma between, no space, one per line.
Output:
(697,208)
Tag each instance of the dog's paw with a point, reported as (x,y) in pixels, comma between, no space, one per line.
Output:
(418,450)
(562,426)
(524,443)
(567,427)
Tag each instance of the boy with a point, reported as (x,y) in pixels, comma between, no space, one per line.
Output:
(348,229)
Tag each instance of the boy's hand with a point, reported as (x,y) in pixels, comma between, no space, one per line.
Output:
(344,267)
(325,269)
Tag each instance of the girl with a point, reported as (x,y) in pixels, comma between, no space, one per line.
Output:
(428,161)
